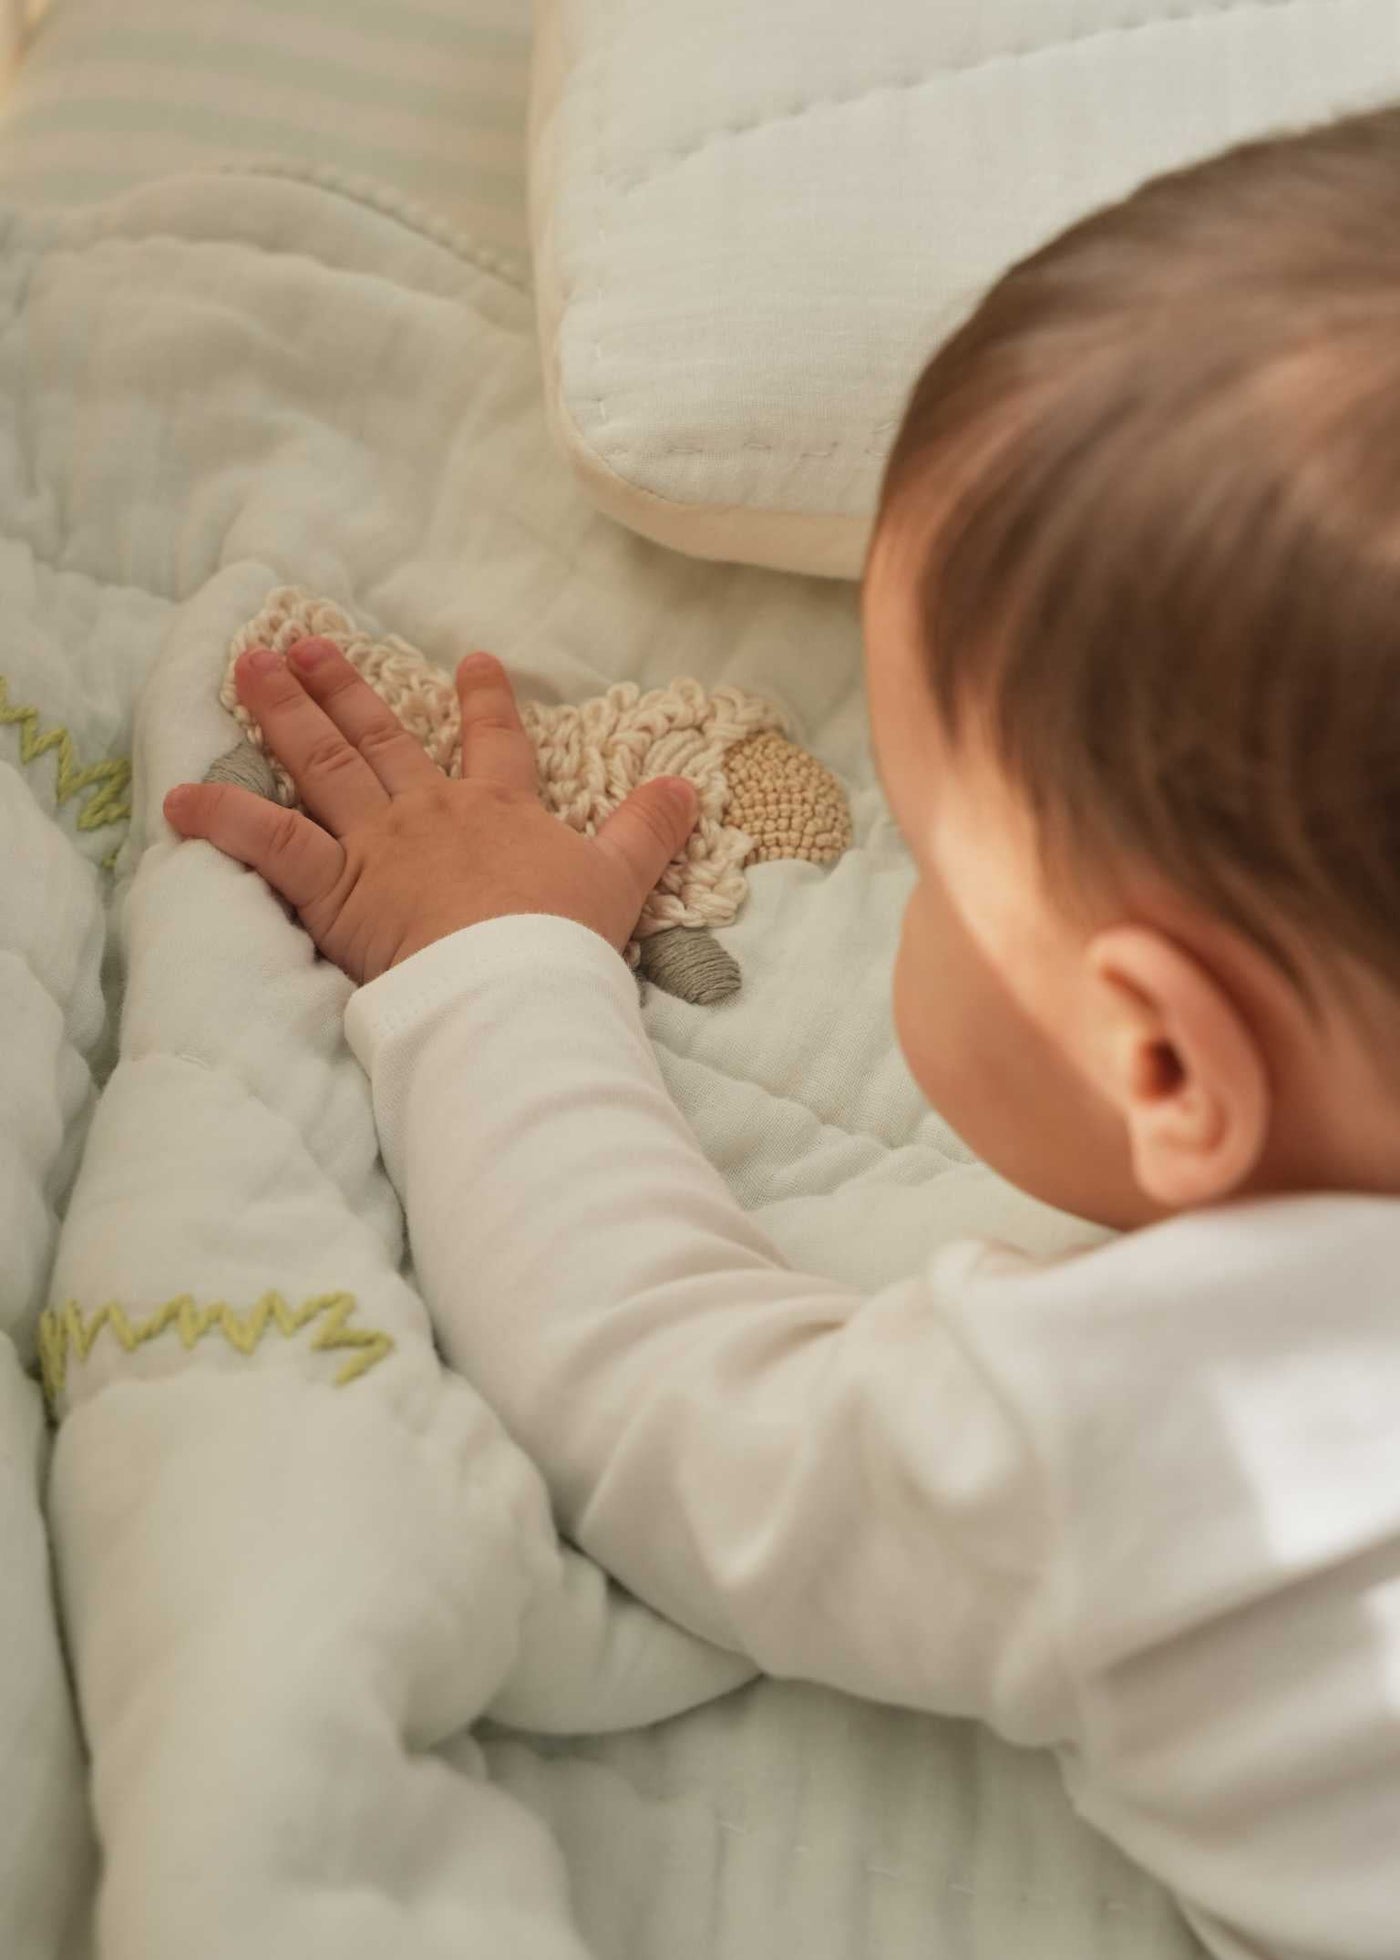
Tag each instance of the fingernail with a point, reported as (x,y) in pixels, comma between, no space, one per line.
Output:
(176,798)
(310,653)
(480,663)
(262,660)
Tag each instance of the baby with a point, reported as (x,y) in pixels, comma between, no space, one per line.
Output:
(1132,621)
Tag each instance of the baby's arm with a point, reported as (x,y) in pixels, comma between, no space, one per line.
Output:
(833,1486)
(829,1484)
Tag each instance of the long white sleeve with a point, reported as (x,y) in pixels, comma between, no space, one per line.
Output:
(829,1484)
(1143,1503)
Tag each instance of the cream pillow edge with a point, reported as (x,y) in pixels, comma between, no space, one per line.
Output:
(820,544)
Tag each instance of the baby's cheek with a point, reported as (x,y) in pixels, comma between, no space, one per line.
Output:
(981,1064)
(935,988)
(1007,1090)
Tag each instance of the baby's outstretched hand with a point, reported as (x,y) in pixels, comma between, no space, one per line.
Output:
(399,854)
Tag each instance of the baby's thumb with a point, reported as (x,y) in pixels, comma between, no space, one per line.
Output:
(647,831)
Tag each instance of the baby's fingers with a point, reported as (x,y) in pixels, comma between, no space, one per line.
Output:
(297,858)
(495,747)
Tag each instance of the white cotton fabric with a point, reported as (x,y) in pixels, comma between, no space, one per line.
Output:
(752,224)
(51,1034)
(1139,1504)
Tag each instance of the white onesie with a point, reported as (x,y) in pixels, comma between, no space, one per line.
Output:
(1141,1505)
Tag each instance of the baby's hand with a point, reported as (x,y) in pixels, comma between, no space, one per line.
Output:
(401,855)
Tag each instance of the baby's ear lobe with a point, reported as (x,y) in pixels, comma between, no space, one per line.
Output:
(1174,1055)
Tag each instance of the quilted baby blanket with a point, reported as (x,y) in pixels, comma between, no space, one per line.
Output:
(298,1664)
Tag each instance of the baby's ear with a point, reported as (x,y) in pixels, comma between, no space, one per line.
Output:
(1174,1055)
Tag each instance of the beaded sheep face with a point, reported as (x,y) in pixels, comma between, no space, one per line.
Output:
(761,796)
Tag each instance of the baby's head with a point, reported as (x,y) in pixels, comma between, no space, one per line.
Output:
(1132,617)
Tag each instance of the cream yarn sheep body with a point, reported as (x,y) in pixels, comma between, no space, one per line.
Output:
(761,796)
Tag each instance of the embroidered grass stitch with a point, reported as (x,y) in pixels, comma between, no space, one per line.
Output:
(67,1330)
(106,782)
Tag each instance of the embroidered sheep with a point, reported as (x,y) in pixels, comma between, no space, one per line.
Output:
(761,796)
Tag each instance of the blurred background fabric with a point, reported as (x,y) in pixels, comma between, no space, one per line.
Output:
(424,97)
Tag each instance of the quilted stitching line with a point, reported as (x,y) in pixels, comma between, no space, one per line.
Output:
(1021,1895)
(707,1065)
(1120,30)
(106,782)
(404,211)
(66,1330)
(733,1827)
(91,231)
(877,445)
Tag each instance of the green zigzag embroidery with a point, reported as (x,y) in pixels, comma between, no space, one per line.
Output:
(106,783)
(66,1330)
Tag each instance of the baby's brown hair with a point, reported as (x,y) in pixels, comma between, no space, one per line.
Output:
(1153,489)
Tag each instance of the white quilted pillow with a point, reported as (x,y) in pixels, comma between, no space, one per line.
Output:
(753,219)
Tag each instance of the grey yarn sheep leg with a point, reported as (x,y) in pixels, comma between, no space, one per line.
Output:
(690,963)
(247,767)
